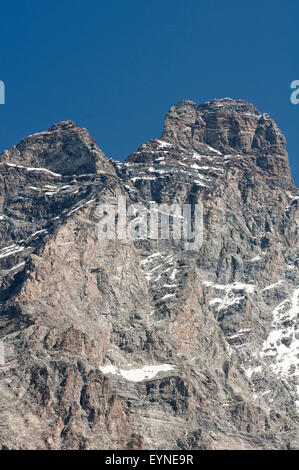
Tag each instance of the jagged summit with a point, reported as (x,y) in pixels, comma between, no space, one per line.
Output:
(65,149)
(62,125)
(224,129)
(230,126)
(227,104)
(218,128)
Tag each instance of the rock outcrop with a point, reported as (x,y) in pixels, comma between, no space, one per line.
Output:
(121,344)
(64,149)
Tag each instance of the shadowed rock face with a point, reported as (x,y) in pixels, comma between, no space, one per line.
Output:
(65,149)
(114,344)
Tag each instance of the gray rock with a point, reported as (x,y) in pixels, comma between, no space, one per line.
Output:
(115,344)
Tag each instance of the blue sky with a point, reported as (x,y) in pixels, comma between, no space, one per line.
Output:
(115,67)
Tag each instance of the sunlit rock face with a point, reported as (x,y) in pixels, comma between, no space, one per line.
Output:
(121,344)
(227,125)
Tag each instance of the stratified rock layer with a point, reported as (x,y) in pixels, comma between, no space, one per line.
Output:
(114,344)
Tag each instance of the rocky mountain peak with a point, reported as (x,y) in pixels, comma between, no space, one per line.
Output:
(228,130)
(62,125)
(65,149)
(230,126)
(228,104)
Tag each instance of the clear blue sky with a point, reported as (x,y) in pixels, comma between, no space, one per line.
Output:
(116,66)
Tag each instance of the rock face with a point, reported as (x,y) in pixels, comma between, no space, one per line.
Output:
(121,344)
(230,127)
(64,149)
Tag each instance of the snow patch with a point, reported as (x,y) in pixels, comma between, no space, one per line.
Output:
(272,286)
(163,144)
(282,345)
(256,258)
(235,286)
(137,375)
(167,296)
(252,370)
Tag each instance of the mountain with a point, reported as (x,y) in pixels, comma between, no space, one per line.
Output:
(144,344)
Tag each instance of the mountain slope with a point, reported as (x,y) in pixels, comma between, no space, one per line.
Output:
(143,344)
